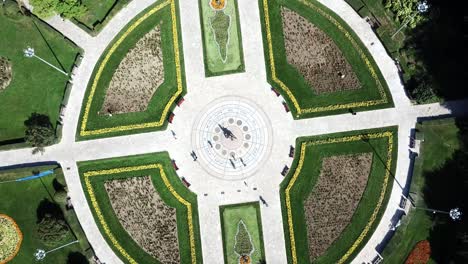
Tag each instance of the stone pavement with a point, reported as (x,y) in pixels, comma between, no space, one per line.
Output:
(251,85)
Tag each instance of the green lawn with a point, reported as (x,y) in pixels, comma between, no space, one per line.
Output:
(154,118)
(374,92)
(215,63)
(22,205)
(316,149)
(440,143)
(187,255)
(249,213)
(99,13)
(35,86)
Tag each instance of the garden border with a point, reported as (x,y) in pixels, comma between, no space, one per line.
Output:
(179,80)
(20,234)
(89,190)
(351,136)
(299,111)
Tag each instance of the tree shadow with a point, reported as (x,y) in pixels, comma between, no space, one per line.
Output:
(37,119)
(48,45)
(438,50)
(444,189)
(77,258)
(47,207)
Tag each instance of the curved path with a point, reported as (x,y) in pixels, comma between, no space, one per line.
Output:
(212,191)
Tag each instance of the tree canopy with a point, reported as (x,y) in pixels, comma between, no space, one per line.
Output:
(39,131)
(65,8)
(243,245)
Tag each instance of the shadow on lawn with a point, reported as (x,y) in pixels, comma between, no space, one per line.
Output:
(437,53)
(444,189)
(47,207)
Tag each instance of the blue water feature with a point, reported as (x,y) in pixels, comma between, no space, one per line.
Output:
(41,174)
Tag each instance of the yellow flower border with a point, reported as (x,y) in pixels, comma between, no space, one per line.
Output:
(355,45)
(20,238)
(175,39)
(103,223)
(387,134)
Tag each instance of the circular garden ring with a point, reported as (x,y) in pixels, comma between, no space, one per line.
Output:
(10,238)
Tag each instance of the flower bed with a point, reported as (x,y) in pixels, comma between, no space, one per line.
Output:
(145,216)
(315,55)
(421,253)
(304,177)
(218,4)
(334,199)
(137,77)
(10,238)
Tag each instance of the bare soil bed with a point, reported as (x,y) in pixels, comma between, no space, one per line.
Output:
(5,73)
(137,77)
(314,54)
(145,217)
(331,204)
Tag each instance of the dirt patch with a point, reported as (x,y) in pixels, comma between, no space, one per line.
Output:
(316,56)
(331,204)
(5,73)
(137,77)
(145,217)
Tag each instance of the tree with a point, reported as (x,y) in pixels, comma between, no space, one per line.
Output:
(65,8)
(39,131)
(52,230)
(406,9)
(243,245)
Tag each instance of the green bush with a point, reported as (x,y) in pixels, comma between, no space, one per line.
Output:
(406,9)
(243,245)
(65,8)
(51,230)
(39,131)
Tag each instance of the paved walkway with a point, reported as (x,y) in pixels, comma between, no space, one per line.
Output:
(250,84)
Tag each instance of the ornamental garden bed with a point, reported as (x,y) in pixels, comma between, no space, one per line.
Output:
(241,229)
(334,198)
(368,158)
(36,202)
(145,216)
(222,41)
(336,75)
(314,54)
(137,77)
(136,82)
(145,212)
(32,86)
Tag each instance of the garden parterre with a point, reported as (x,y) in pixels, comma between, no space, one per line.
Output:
(231,217)
(303,102)
(303,177)
(92,124)
(221,37)
(168,186)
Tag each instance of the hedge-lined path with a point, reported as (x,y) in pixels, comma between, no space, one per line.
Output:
(251,84)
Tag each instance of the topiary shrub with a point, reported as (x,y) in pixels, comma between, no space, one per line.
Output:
(52,231)
(243,246)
